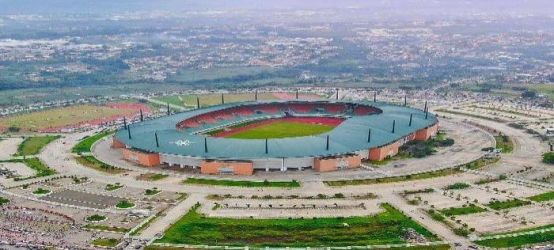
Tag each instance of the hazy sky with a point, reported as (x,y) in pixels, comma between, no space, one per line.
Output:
(545,7)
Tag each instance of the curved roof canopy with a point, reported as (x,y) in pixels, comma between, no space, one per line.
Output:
(350,136)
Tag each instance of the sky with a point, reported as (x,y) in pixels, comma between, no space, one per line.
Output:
(11,7)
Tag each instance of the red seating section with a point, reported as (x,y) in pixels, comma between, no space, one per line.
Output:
(335,108)
(273,108)
(365,110)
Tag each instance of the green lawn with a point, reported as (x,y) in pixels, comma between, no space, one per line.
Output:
(520,231)
(105,242)
(96,217)
(106,228)
(543,197)
(4,201)
(384,228)
(282,129)
(85,144)
(92,162)
(479,163)
(433,247)
(458,185)
(499,205)
(125,204)
(152,191)
(281,184)
(37,165)
(151,177)
(546,89)
(518,240)
(548,158)
(426,175)
(113,187)
(505,143)
(33,145)
(138,230)
(41,191)
(471,209)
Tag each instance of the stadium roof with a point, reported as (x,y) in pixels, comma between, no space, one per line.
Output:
(348,137)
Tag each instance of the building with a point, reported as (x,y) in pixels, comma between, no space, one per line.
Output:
(365,131)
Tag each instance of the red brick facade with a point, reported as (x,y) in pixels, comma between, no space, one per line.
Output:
(142,158)
(231,167)
(323,164)
(380,153)
(426,133)
(334,163)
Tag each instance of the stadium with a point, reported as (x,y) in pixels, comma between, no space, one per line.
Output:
(241,138)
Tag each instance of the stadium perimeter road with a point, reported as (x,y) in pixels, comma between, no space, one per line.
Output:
(527,151)
(469,142)
(58,156)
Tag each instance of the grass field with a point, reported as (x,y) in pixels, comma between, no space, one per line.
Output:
(477,164)
(105,242)
(84,146)
(549,226)
(92,162)
(4,201)
(60,117)
(282,129)
(106,228)
(457,185)
(543,197)
(138,230)
(505,143)
(151,177)
(37,165)
(281,184)
(432,247)
(426,175)
(471,209)
(384,228)
(96,218)
(545,89)
(517,241)
(33,145)
(499,205)
(125,204)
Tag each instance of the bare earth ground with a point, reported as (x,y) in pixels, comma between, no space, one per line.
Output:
(8,147)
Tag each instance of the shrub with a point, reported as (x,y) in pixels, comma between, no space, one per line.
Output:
(548,158)
(125,204)
(96,217)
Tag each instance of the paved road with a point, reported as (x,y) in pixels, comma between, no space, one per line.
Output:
(418,214)
(527,151)
(58,156)
(171,216)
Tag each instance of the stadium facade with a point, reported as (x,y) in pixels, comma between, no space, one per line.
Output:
(365,131)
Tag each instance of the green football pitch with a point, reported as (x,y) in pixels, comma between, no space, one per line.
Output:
(282,129)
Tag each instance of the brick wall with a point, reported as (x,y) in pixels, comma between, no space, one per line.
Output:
(142,158)
(426,133)
(237,167)
(333,163)
(380,153)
